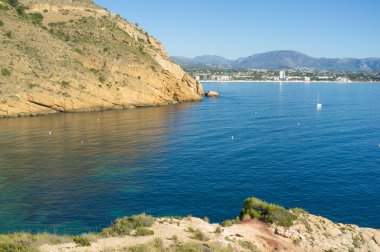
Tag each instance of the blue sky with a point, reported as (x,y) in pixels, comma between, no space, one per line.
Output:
(237,28)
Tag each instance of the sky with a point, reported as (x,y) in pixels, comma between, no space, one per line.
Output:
(239,28)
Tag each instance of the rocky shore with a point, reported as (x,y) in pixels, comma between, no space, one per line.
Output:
(70,56)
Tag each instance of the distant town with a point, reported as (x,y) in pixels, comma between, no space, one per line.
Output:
(213,74)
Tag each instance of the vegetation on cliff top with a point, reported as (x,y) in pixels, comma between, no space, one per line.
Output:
(193,234)
(255,208)
(138,225)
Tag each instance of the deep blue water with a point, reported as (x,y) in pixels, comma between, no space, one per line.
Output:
(181,159)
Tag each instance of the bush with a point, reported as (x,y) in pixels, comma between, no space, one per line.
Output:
(81,241)
(227,223)
(37,18)
(199,235)
(32,85)
(5,72)
(21,10)
(124,226)
(4,7)
(8,34)
(6,247)
(248,245)
(102,79)
(268,213)
(79,51)
(93,70)
(141,231)
(298,211)
(1,23)
(218,230)
(65,84)
(206,219)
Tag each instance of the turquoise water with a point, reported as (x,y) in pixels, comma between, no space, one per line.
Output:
(182,159)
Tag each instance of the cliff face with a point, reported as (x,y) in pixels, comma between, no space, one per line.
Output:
(67,56)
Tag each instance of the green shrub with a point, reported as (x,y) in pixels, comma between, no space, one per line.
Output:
(357,241)
(218,230)
(79,51)
(102,79)
(248,245)
(21,10)
(4,7)
(65,84)
(56,24)
(8,34)
(158,243)
(227,223)
(200,236)
(190,229)
(245,217)
(60,34)
(5,72)
(298,211)
(1,23)
(37,18)
(31,85)
(141,231)
(7,247)
(297,242)
(93,70)
(175,238)
(268,213)
(81,241)
(124,226)
(206,219)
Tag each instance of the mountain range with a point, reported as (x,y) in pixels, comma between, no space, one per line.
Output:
(283,59)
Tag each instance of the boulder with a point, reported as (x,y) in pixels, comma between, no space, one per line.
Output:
(212,94)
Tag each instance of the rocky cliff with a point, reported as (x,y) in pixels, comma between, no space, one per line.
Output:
(72,55)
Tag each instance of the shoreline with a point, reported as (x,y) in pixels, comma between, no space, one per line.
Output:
(115,108)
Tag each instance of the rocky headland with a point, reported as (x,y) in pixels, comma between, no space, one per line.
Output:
(72,55)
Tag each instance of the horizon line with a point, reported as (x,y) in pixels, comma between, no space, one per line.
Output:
(281,50)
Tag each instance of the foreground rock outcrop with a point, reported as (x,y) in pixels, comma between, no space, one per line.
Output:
(310,233)
(72,55)
(260,227)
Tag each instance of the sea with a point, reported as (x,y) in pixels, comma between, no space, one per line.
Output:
(71,173)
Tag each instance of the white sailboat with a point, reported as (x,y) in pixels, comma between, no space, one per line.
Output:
(319,104)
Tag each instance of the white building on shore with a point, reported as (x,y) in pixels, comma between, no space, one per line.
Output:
(282,75)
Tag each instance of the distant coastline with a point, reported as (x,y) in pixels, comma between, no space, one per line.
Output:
(293,81)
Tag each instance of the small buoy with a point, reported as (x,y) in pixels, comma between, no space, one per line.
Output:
(298,124)
(232,137)
(49,132)
(378,146)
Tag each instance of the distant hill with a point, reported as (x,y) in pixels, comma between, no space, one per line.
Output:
(284,60)
(205,60)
